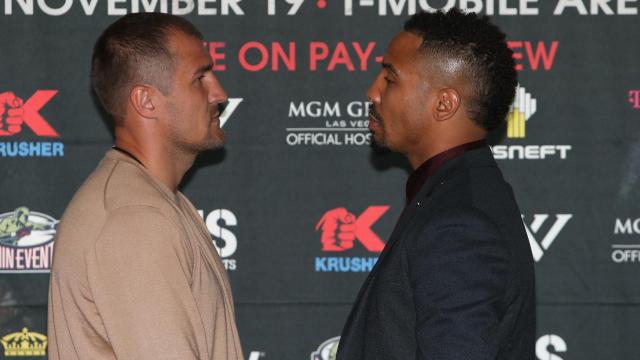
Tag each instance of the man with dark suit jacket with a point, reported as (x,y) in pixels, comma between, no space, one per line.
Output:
(455,280)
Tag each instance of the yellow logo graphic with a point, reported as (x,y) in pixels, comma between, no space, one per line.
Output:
(24,343)
(523,107)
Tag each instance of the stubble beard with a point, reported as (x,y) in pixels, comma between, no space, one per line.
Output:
(381,142)
(182,144)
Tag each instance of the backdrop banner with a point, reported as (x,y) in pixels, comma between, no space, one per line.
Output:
(298,160)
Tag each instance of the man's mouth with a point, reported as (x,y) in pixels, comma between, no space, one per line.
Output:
(374,115)
(374,120)
(374,123)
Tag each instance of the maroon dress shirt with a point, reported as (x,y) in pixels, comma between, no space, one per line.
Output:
(420,175)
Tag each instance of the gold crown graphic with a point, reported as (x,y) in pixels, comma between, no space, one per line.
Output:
(24,343)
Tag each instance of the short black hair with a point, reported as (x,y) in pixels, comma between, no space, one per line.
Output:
(487,61)
(135,49)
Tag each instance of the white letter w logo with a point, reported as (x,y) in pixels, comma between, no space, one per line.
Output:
(538,247)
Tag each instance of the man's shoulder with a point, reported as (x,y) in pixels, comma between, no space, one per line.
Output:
(459,176)
(128,185)
(112,186)
(475,180)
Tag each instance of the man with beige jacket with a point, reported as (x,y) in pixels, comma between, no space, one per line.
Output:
(135,274)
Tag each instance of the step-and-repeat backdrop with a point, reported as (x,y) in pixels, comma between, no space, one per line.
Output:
(298,160)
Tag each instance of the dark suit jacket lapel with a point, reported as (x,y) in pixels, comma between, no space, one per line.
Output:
(478,157)
(421,199)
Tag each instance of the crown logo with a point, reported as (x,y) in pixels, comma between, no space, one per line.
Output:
(24,343)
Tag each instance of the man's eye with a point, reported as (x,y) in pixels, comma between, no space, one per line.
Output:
(388,80)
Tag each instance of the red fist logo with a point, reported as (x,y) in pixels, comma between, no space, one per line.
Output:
(11,114)
(340,229)
(14,113)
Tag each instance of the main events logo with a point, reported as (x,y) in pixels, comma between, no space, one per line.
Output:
(327,123)
(327,350)
(26,241)
(20,117)
(523,108)
(340,230)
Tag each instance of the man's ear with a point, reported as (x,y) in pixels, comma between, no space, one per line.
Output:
(447,104)
(144,100)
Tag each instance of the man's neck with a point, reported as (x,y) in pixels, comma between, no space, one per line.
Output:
(163,164)
(418,157)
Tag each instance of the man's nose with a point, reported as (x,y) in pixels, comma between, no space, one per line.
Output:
(217,94)
(372,92)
